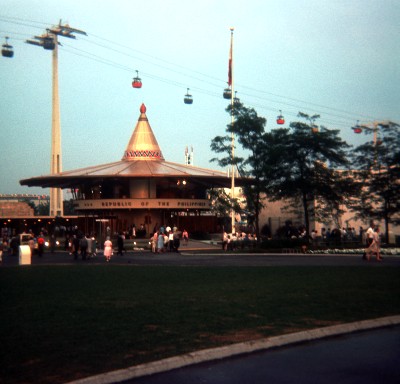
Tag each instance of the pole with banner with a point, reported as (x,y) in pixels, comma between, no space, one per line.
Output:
(231,84)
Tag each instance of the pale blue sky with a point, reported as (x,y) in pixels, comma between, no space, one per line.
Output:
(336,58)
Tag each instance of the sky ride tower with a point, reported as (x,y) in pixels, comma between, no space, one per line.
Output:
(49,41)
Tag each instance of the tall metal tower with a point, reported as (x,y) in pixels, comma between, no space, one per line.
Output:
(49,41)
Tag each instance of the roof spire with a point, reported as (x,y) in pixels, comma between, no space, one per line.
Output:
(143,144)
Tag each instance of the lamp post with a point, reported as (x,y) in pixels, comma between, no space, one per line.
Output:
(49,41)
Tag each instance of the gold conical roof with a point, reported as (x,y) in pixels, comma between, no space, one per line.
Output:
(143,144)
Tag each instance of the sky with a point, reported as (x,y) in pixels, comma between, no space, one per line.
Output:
(335,58)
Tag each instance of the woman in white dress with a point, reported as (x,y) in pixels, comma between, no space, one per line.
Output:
(375,246)
(108,249)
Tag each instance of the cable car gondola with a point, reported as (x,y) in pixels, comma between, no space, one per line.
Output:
(227,93)
(48,42)
(137,81)
(188,98)
(7,50)
(357,128)
(280,119)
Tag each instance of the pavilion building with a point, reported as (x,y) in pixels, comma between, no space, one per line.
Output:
(142,190)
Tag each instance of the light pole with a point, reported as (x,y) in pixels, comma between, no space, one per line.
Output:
(49,41)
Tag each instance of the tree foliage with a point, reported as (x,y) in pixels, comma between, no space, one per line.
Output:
(303,163)
(377,174)
(248,130)
(309,168)
(297,164)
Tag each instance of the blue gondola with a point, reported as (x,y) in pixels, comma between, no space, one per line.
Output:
(227,93)
(188,98)
(7,50)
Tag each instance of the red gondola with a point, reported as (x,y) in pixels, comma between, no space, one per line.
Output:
(357,128)
(137,81)
(280,119)
(188,98)
(7,50)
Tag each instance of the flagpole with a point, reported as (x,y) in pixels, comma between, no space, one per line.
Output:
(232,134)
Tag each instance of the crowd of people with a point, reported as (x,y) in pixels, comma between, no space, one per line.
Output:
(163,239)
(167,239)
(238,240)
(36,243)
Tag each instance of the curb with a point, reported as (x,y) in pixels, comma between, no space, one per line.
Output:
(206,355)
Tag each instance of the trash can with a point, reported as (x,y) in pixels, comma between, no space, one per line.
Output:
(24,255)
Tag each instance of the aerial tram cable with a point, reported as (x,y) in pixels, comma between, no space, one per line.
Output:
(101,60)
(17,21)
(25,23)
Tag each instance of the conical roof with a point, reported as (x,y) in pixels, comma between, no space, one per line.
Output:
(143,144)
(142,159)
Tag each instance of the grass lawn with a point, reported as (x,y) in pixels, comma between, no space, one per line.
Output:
(61,323)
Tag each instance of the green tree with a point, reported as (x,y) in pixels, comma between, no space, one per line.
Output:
(248,129)
(301,164)
(377,174)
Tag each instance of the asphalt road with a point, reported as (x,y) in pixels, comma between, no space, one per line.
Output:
(203,254)
(368,357)
(217,260)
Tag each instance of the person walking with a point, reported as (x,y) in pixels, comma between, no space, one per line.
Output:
(185,237)
(31,243)
(75,247)
(225,241)
(40,241)
(369,238)
(108,249)
(375,246)
(176,240)
(120,243)
(153,241)
(83,245)
(170,246)
(160,242)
